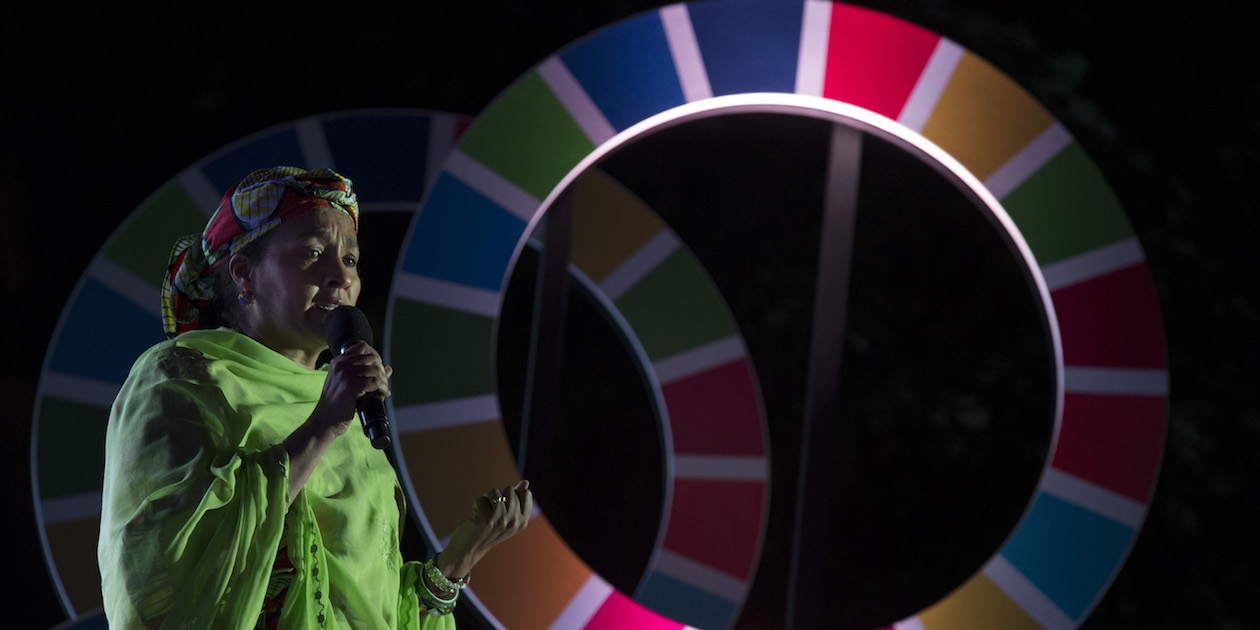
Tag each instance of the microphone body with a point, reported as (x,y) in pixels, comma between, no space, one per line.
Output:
(371,408)
(344,327)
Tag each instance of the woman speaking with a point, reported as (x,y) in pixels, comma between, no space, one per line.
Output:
(233,495)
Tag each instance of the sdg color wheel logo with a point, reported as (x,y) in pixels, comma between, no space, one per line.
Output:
(479,199)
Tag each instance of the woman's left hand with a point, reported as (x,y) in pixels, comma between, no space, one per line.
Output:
(498,515)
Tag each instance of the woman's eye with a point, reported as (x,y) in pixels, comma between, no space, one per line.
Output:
(351,261)
(314,253)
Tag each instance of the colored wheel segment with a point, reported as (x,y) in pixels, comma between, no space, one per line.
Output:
(115,308)
(1080,249)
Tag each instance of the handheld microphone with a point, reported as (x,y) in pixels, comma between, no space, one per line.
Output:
(346,326)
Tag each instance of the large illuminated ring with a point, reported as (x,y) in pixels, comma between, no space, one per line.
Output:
(834,61)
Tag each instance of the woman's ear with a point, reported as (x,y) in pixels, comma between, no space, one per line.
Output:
(242,272)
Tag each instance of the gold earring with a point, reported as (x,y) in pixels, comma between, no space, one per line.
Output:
(245,298)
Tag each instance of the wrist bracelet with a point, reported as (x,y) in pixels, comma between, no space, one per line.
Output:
(431,578)
(433,605)
(443,583)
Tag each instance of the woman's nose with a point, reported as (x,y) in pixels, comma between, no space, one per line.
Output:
(339,275)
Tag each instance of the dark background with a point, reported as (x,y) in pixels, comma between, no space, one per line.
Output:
(99,106)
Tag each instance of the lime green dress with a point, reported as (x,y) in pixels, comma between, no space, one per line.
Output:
(195,492)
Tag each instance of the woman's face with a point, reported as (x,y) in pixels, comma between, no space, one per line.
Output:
(309,268)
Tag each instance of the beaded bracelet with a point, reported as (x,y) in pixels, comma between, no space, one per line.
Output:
(438,579)
(435,604)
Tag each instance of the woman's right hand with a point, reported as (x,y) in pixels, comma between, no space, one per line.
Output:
(356,371)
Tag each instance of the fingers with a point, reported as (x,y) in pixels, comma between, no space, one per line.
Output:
(524,497)
(361,348)
(361,364)
(515,503)
(501,502)
(517,500)
(357,371)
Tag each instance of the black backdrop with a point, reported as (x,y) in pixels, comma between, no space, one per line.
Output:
(100,105)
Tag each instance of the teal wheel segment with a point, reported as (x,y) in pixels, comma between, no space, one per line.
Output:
(1068,553)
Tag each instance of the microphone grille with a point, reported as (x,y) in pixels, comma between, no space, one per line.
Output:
(345,326)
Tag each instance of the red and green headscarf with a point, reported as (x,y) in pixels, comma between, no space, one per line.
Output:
(263,200)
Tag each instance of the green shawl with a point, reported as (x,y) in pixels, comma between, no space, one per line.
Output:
(195,492)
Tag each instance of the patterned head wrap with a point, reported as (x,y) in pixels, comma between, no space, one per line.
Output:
(263,200)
